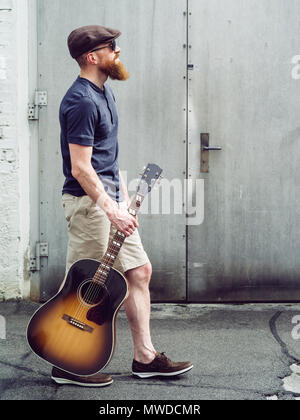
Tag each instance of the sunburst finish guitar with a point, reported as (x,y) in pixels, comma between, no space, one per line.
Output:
(76,329)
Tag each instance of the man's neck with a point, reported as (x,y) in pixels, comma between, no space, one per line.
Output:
(97,78)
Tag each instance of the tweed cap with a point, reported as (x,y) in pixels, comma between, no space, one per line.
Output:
(84,39)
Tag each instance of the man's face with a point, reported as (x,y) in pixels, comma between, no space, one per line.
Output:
(110,64)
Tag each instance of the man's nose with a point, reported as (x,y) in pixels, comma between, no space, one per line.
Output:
(118,49)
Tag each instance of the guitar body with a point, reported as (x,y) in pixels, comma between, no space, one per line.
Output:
(75,330)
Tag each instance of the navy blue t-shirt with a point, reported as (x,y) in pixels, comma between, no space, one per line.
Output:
(88,117)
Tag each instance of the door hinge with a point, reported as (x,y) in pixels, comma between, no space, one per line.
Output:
(41,250)
(41,99)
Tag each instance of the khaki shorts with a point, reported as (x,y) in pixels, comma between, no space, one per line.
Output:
(90,231)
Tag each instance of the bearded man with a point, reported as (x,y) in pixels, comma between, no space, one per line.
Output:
(95,198)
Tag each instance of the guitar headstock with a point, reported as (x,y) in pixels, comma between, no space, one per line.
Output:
(151,174)
(149,178)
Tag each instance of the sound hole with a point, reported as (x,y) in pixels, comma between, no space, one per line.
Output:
(92,293)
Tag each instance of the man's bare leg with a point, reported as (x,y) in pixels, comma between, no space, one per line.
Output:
(137,308)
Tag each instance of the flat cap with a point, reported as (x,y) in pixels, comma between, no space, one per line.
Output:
(84,39)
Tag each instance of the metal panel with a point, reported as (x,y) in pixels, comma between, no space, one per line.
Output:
(152,121)
(241,92)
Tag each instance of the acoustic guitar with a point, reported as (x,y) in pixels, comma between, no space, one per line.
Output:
(76,329)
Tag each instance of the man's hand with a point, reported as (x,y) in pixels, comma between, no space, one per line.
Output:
(122,220)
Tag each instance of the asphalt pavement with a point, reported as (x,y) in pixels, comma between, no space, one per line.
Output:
(239,352)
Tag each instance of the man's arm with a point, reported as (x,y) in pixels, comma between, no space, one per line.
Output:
(85,174)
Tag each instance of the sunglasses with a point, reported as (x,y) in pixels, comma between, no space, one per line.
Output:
(112,45)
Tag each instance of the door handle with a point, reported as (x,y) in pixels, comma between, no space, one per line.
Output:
(212,148)
(205,149)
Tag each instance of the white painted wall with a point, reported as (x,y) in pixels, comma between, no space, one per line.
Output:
(14,150)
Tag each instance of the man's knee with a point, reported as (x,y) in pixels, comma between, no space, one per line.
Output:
(140,275)
(147,268)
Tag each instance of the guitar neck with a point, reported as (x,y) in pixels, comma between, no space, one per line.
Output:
(150,176)
(115,244)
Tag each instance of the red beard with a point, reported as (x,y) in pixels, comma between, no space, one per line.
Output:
(116,71)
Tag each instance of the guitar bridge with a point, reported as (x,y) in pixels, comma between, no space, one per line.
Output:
(76,323)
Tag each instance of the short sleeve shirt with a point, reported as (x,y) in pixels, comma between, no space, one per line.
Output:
(88,117)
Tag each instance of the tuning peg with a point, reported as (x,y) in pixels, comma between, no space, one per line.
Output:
(142,171)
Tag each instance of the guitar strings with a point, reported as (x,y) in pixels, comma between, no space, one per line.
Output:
(95,285)
(106,261)
(91,292)
(71,333)
(112,249)
(81,307)
(90,295)
(93,289)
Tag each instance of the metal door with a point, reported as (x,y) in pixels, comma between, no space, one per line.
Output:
(152,122)
(244,93)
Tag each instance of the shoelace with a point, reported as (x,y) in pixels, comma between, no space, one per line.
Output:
(163,354)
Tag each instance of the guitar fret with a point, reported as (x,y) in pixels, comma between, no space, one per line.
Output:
(105,266)
(110,256)
(111,253)
(104,273)
(132,212)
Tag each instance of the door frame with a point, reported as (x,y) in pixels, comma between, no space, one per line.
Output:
(34,147)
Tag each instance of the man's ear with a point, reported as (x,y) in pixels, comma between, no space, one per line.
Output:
(91,59)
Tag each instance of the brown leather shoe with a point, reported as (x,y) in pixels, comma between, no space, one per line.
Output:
(160,366)
(97,380)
